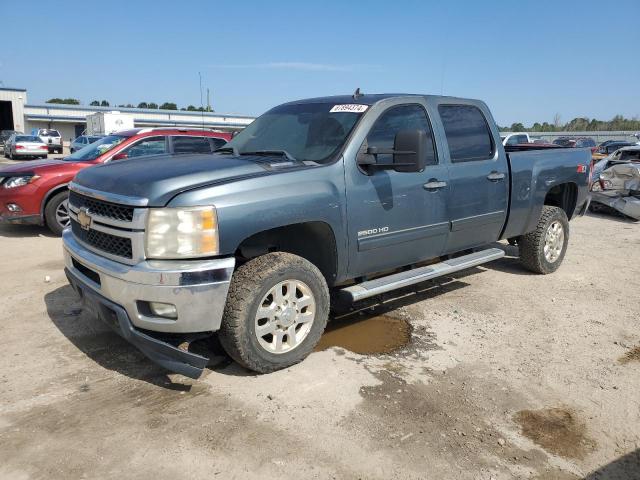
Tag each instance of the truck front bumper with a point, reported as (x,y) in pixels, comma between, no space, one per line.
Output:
(121,294)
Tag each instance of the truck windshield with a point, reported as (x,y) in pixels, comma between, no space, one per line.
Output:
(307,132)
(95,149)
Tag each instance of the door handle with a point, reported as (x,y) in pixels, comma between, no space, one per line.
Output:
(495,176)
(434,185)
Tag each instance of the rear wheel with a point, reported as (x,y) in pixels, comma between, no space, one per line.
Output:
(56,213)
(543,249)
(276,312)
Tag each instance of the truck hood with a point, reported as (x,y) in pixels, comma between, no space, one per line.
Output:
(160,178)
(31,166)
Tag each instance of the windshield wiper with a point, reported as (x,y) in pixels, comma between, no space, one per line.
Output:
(282,153)
(231,150)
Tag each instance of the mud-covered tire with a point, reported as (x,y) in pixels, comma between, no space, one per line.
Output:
(249,285)
(52,212)
(532,244)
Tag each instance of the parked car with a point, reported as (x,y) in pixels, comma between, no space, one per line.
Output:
(36,192)
(606,150)
(5,134)
(622,155)
(345,194)
(516,139)
(576,142)
(616,185)
(52,138)
(25,146)
(82,141)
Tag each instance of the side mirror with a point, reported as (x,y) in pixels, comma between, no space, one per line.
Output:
(120,156)
(409,153)
(410,149)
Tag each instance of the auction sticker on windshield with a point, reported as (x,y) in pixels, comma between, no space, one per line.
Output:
(349,107)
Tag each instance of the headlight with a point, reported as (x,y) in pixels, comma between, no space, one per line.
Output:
(596,186)
(182,232)
(13,182)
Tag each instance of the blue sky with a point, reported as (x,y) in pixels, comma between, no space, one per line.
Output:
(528,60)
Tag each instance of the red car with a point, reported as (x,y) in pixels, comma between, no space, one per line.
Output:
(36,192)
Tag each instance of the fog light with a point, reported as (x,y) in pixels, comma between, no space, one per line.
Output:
(12,207)
(166,310)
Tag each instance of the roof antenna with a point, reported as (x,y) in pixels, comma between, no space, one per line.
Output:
(357,94)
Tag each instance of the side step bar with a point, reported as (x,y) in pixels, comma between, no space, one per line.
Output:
(403,279)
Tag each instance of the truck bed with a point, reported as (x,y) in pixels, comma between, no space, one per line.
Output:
(533,172)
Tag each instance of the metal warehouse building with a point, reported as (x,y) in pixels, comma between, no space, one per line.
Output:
(70,120)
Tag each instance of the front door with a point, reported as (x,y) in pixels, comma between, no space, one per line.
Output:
(396,218)
(478,177)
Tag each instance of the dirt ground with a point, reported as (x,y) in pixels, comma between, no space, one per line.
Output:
(505,375)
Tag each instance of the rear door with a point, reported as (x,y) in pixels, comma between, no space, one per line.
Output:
(478,177)
(396,218)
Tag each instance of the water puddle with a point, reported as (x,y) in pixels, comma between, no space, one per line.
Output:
(557,430)
(366,336)
(632,355)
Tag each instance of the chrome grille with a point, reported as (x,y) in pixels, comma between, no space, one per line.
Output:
(116,225)
(105,242)
(122,213)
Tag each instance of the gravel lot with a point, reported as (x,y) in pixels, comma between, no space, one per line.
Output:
(506,375)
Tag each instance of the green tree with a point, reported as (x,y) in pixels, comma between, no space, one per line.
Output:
(64,101)
(143,105)
(517,127)
(168,106)
(104,103)
(95,103)
(152,105)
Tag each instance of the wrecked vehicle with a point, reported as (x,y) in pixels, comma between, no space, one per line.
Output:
(349,195)
(616,183)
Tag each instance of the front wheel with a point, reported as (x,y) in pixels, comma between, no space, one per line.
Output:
(56,213)
(276,312)
(543,249)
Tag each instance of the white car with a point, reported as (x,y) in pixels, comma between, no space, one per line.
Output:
(52,138)
(516,139)
(21,146)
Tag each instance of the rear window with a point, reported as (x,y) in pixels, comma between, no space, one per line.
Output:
(467,132)
(49,133)
(218,142)
(27,138)
(191,145)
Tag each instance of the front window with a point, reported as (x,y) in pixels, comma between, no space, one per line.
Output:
(94,150)
(633,155)
(307,132)
(148,146)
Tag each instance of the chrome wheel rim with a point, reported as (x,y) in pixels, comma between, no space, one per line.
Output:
(553,241)
(62,214)
(285,316)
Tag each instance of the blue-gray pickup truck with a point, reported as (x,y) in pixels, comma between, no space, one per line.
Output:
(342,197)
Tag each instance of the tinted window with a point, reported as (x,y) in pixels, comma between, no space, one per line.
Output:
(148,146)
(191,145)
(404,117)
(49,133)
(633,155)
(27,138)
(218,142)
(467,133)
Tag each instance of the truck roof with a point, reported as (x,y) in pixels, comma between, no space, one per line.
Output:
(364,99)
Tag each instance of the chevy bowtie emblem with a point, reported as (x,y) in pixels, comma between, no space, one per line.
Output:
(84,219)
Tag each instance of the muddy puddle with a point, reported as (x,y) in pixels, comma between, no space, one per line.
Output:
(557,430)
(632,355)
(366,335)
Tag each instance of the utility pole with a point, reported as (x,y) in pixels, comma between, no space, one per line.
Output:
(208,102)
